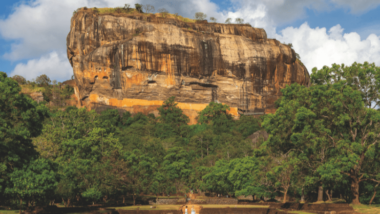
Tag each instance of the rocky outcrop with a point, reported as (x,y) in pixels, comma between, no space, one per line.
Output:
(37,96)
(136,61)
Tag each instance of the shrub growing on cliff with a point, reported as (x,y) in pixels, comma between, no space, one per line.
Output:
(138,8)
(43,80)
(228,21)
(239,21)
(200,16)
(19,79)
(163,12)
(148,8)
(213,19)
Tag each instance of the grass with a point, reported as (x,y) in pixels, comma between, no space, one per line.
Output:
(299,212)
(28,89)
(233,206)
(177,207)
(9,211)
(133,11)
(115,10)
(147,207)
(367,209)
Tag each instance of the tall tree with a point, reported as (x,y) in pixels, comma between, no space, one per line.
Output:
(20,120)
(37,180)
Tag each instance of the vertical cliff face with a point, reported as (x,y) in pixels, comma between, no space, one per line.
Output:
(135,62)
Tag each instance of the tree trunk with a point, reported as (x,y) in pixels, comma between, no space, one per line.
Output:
(123,199)
(320,193)
(302,197)
(374,194)
(355,190)
(68,202)
(328,195)
(77,197)
(134,200)
(285,195)
(64,203)
(20,205)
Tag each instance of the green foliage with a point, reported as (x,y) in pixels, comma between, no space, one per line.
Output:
(228,21)
(322,135)
(216,114)
(138,8)
(20,120)
(37,180)
(247,125)
(172,120)
(43,80)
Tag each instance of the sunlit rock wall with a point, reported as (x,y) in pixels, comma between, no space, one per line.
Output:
(135,62)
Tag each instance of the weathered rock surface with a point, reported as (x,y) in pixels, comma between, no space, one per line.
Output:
(137,61)
(37,96)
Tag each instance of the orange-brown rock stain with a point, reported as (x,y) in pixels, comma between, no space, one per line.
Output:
(150,106)
(137,79)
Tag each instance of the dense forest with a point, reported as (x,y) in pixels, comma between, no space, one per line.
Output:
(323,143)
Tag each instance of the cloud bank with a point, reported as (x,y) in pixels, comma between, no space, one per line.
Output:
(318,47)
(37,30)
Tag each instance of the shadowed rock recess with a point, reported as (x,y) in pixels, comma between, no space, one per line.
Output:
(136,61)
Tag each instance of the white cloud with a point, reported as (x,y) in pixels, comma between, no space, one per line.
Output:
(37,30)
(317,47)
(55,65)
(357,6)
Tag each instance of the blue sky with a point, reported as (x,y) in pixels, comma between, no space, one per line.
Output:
(33,32)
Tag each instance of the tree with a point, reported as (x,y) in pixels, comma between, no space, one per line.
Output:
(20,79)
(20,120)
(148,8)
(247,125)
(216,114)
(228,21)
(138,8)
(363,77)
(172,117)
(200,16)
(37,180)
(355,121)
(140,169)
(163,12)
(213,19)
(43,80)
(127,6)
(239,20)
(178,168)
(329,129)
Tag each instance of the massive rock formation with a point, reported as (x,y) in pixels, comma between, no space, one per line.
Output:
(136,61)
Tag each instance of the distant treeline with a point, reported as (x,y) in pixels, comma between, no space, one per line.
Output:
(324,137)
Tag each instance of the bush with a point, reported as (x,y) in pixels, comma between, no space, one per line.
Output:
(20,79)
(138,8)
(200,16)
(43,80)
(239,20)
(163,12)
